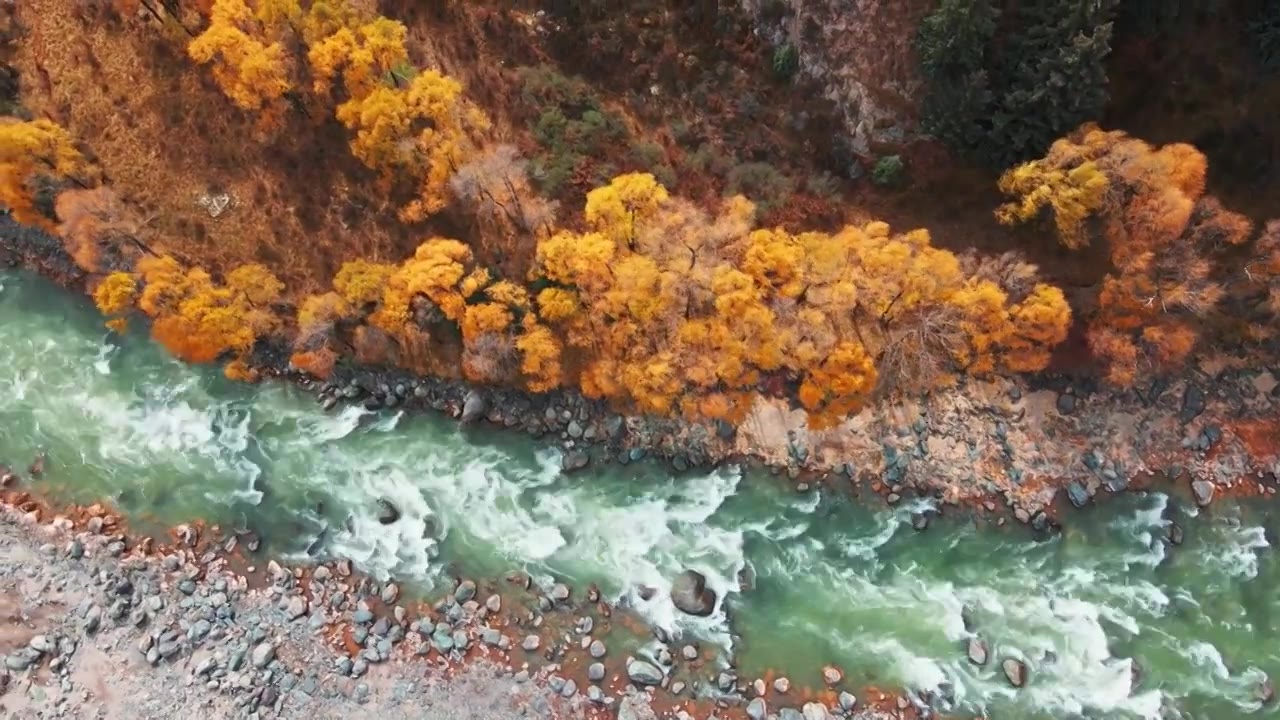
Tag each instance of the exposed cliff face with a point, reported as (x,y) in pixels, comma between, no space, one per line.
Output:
(863,51)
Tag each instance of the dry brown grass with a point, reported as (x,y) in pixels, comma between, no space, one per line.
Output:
(166,137)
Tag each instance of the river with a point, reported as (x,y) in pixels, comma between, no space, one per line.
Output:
(836,581)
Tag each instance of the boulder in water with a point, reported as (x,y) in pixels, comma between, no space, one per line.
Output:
(691,595)
(387,513)
(978,651)
(643,673)
(1016,672)
(1203,491)
(1175,534)
(474,407)
(1077,494)
(1265,692)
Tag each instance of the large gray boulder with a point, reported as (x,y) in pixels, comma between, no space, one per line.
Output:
(691,595)
(474,407)
(978,651)
(1203,491)
(643,673)
(1015,671)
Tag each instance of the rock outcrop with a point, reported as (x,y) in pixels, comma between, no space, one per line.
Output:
(863,52)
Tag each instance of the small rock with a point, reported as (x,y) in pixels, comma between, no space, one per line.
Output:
(1203,491)
(93,619)
(596,695)
(1066,404)
(1193,403)
(1077,494)
(815,711)
(531,643)
(493,604)
(757,710)
(387,513)
(390,593)
(263,655)
(75,550)
(595,672)
(848,702)
(643,673)
(473,407)
(560,593)
(690,594)
(978,651)
(570,689)
(206,666)
(465,591)
(597,649)
(781,685)
(832,675)
(321,573)
(296,607)
(1015,671)
(690,652)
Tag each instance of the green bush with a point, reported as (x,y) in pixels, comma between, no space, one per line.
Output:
(761,183)
(889,172)
(572,127)
(824,185)
(786,61)
(1000,91)
(1264,30)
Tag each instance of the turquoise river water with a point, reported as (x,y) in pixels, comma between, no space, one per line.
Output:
(835,581)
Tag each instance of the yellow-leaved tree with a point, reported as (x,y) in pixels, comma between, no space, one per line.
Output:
(254,74)
(1149,206)
(677,311)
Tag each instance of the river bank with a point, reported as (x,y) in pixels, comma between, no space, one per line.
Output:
(1146,606)
(1024,446)
(101,622)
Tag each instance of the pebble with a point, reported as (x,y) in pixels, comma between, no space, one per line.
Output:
(690,652)
(597,649)
(815,711)
(296,607)
(390,593)
(595,672)
(756,709)
(847,701)
(570,689)
(832,675)
(466,590)
(493,604)
(531,643)
(263,655)
(781,685)
(560,593)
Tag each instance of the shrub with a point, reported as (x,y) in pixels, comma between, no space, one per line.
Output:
(1000,93)
(761,183)
(786,61)
(889,171)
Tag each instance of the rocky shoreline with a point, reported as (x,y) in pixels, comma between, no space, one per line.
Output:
(104,624)
(1026,447)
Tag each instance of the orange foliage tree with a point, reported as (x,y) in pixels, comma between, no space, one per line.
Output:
(29,150)
(195,318)
(1149,206)
(677,311)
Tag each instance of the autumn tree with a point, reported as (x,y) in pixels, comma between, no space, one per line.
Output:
(115,296)
(678,311)
(364,57)
(421,132)
(200,320)
(30,150)
(254,74)
(1148,205)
